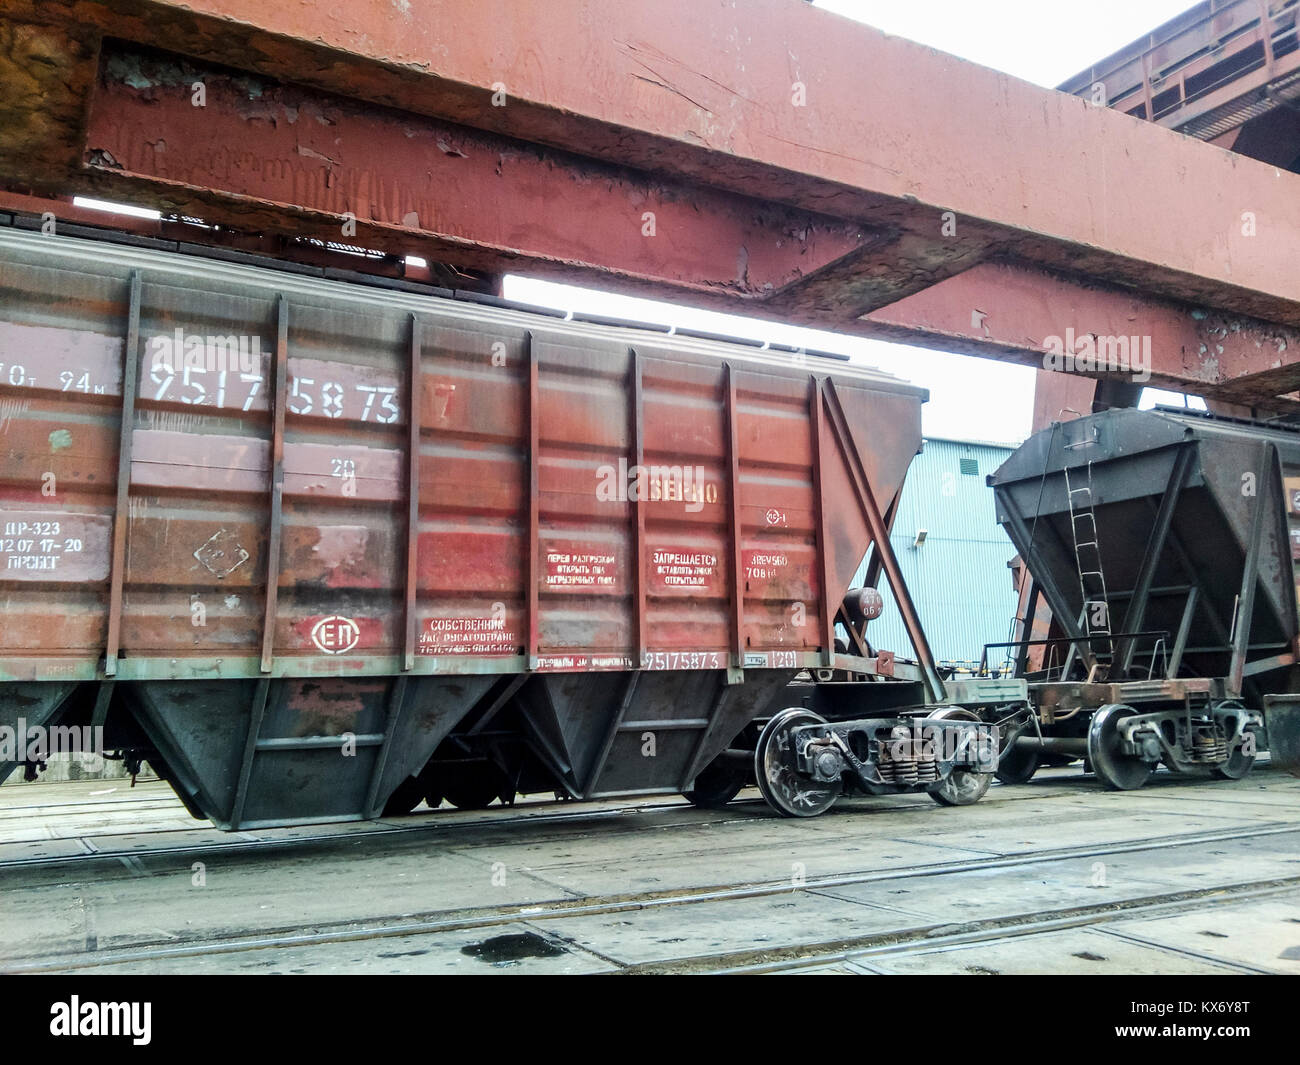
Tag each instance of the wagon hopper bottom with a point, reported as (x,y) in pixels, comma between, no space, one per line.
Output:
(319,550)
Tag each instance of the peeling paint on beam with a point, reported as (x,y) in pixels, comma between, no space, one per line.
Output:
(45,77)
(271,144)
(893,132)
(1009,311)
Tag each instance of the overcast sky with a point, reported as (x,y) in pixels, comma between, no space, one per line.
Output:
(1043,41)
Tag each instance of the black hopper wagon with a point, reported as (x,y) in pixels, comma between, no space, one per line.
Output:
(1159,596)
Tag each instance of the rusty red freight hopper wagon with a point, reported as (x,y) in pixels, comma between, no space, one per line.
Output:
(302,542)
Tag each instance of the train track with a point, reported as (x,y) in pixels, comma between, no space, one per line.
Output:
(928,940)
(431,824)
(425,821)
(778,959)
(162,803)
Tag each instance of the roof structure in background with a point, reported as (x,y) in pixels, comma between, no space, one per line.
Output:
(1211,72)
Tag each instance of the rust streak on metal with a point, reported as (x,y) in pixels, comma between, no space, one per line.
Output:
(329,157)
(279,401)
(828,606)
(640,588)
(415,419)
(533,445)
(121,514)
(732,417)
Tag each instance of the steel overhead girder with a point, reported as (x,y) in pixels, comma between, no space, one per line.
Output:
(800,166)
(476,198)
(1012,312)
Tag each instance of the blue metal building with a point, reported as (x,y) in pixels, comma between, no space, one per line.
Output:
(953,555)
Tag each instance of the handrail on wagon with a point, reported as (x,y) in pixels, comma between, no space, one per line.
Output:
(1057,641)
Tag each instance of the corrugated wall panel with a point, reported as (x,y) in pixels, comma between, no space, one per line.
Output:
(266,502)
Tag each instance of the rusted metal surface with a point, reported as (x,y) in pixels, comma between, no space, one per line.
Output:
(1059,397)
(125,446)
(269,499)
(350,519)
(1227,72)
(735,529)
(321,155)
(829,610)
(1206,72)
(391,171)
(749,132)
(414,447)
(637,452)
(279,398)
(1012,311)
(532,569)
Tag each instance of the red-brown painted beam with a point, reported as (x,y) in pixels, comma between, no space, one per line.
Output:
(1011,311)
(690,106)
(280,247)
(445,189)
(892,133)
(1059,397)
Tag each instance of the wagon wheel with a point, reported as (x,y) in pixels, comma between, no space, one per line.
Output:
(961,787)
(717,784)
(469,786)
(1116,769)
(430,786)
(1239,763)
(781,786)
(405,798)
(1016,765)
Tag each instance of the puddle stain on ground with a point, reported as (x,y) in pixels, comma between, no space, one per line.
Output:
(511,948)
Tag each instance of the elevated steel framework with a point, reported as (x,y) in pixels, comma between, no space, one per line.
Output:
(767,158)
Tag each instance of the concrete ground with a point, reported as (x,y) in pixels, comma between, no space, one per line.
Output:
(1184,876)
